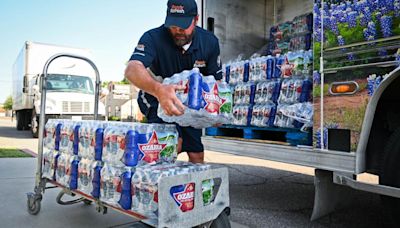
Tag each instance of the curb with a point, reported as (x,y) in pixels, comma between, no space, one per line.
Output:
(30,152)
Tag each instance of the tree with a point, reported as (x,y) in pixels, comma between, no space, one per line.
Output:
(8,103)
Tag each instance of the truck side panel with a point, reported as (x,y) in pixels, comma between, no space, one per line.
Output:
(20,100)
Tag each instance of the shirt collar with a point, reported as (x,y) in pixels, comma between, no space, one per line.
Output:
(186,46)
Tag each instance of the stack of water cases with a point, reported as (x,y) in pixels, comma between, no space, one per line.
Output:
(119,163)
(294,108)
(207,102)
(272,91)
(292,36)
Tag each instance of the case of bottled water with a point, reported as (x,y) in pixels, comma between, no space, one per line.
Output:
(207,102)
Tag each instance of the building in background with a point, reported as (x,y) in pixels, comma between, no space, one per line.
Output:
(121,102)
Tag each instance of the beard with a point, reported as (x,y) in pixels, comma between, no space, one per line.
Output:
(181,39)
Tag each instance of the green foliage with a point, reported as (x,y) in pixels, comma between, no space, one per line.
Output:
(124,82)
(317,54)
(12,153)
(317,90)
(114,118)
(8,103)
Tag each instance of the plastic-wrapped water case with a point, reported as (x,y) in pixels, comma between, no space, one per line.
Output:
(208,102)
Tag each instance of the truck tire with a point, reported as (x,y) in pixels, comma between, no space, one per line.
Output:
(222,221)
(27,121)
(34,124)
(19,120)
(390,176)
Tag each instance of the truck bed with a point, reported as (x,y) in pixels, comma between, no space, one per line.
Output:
(320,159)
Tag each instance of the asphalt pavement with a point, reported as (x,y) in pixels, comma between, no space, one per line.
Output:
(262,194)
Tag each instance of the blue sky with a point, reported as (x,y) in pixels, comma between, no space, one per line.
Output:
(110,29)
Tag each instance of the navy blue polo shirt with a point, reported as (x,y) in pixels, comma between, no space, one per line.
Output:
(157,51)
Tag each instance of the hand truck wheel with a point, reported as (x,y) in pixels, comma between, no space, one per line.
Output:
(33,203)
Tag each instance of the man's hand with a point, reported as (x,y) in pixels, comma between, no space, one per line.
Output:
(168,100)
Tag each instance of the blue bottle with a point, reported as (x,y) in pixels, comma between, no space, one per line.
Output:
(252,93)
(306,90)
(246,71)
(227,73)
(270,67)
(126,191)
(73,184)
(131,154)
(98,148)
(55,165)
(96,181)
(58,137)
(76,139)
(195,90)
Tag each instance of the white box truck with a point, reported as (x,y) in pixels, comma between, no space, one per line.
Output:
(356,129)
(70,85)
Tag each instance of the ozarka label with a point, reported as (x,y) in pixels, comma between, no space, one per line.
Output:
(184,196)
(213,100)
(150,151)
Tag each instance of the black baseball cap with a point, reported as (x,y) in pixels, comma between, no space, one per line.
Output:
(180,13)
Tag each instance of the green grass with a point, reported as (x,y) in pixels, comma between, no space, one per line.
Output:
(12,153)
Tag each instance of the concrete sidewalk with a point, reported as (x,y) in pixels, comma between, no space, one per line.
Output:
(17,178)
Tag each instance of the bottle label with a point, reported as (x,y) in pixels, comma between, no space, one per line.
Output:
(184,196)
(150,151)
(213,100)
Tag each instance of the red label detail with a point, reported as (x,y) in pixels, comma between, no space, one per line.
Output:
(213,100)
(185,198)
(151,150)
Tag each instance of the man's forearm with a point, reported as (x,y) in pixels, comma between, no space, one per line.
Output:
(136,73)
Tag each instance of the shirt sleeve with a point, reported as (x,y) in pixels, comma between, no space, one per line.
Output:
(145,51)
(214,62)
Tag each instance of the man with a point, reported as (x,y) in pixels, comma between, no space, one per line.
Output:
(171,48)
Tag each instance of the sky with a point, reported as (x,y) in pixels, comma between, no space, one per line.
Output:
(109,29)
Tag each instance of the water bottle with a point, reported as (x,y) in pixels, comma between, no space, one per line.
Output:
(114,143)
(195,90)
(136,182)
(57,137)
(126,192)
(85,175)
(75,143)
(63,169)
(182,79)
(246,69)
(296,90)
(96,181)
(73,179)
(270,62)
(306,89)
(49,134)
(110,191)
(48,163)
(238,94)
(227,73)
(131,154)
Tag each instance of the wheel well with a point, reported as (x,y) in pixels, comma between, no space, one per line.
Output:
(386,121)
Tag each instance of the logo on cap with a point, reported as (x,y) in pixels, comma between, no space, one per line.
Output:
(177,9)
